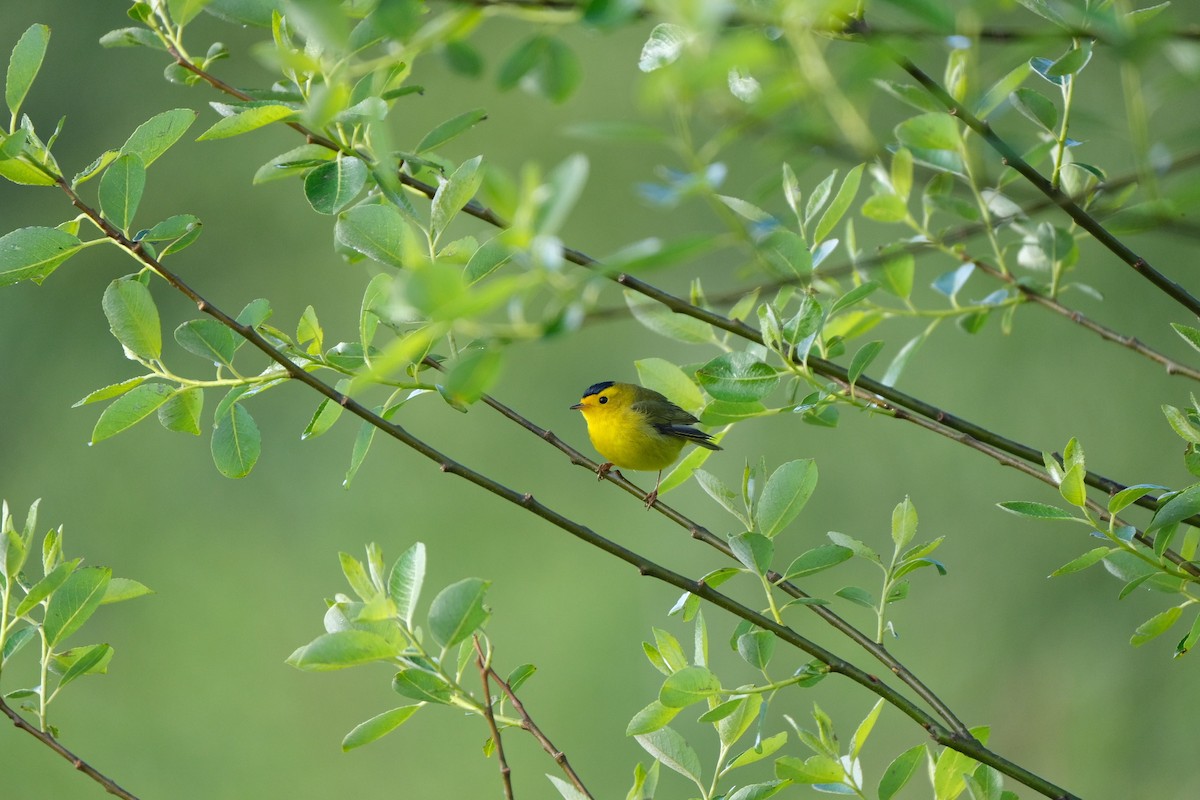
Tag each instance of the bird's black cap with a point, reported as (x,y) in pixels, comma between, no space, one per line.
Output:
(597,388)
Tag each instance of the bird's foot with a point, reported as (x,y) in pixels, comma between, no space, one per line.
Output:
(603,470)
(651,498)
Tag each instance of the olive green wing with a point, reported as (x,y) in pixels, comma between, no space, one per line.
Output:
(670,419)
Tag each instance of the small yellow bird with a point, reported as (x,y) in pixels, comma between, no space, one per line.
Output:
(637,428)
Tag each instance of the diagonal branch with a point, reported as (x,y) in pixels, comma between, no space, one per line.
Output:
(78,763)
(490,716)
(1011,158)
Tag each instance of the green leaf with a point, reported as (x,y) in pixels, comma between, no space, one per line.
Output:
(935,131)
(422,685)
(816,769)
(566,791)
(1129,495)
(298,159)
(717,490)
(453,194)
(756,648)
(182,410)
(785,494)
(458,611)
(1001,89)
(121,589)
(450,129)
(687,686)
(665,322)
(1073,61)
(133,318)
(1082,562)
(377,727)
(565,183)
(80,661)
(898,272)
(33,253)
(1037,510)
(15,641)
(1072,487)
(154,136)
(377,231)
(405,580)
(559,72)
(651,718)
(23,65)
(860,597)
(898,773)
(862,359)
(1177,509)
(885,208)
(1180,423)
(473,374)
(762,749)
(131,37)
(664,377)
(855,295)
(1034,106)
(45,587)
(340,649)
(236,442)
(171,228)
(209,339)
(818,559)
(738,377)
(73,602)
(840,205)
(331,187)
(865,727)
(670,749)
(1155,626)
(246,121)
(130,409)
(754,550)
(1189,334)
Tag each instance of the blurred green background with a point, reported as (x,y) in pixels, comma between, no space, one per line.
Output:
(198,702)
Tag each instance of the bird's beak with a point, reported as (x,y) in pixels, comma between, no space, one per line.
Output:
(577,406)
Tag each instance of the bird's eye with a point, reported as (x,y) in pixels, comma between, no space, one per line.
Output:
(603,400)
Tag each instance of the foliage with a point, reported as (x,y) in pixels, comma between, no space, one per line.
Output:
(828,277)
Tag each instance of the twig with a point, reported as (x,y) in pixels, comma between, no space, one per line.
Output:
(484,670)
(529,725)
(78,763)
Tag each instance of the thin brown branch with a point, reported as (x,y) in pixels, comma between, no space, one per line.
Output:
(78,763)
(529,725)
(489,714)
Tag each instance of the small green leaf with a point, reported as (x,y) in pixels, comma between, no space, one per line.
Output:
(784,496)
(738,377)
(754,550)
(182,411)
(687,686)
(73,602)
(1130,495)
(331,187)
(80,661)
(665,322)
(862,359)
(377,231)
(450,129)
(756,648)
(1177,509)
(458,611)
(1190,335)
(133,318)
(405,581)
(130,409)
(340,649)
(377,726)
(1155,626)
(1082,562)
(33,253)
(236,442)
(453,194)
(898,773)
(815,769)
(1034,106)
(1180,423)
(885,208)
(935,131)
(860,597)
(422,685)
(209,339)
(899,270)
(246,121)
(671,750)
(154,136)
(818,559)
(23,65)
(1037,510)
(855,295)
(1072,488)
(121,589)
(762,749)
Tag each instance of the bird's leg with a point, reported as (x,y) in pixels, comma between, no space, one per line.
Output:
(602,470)
(653,496)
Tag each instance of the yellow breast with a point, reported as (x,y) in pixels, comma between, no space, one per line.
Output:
(625,438)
